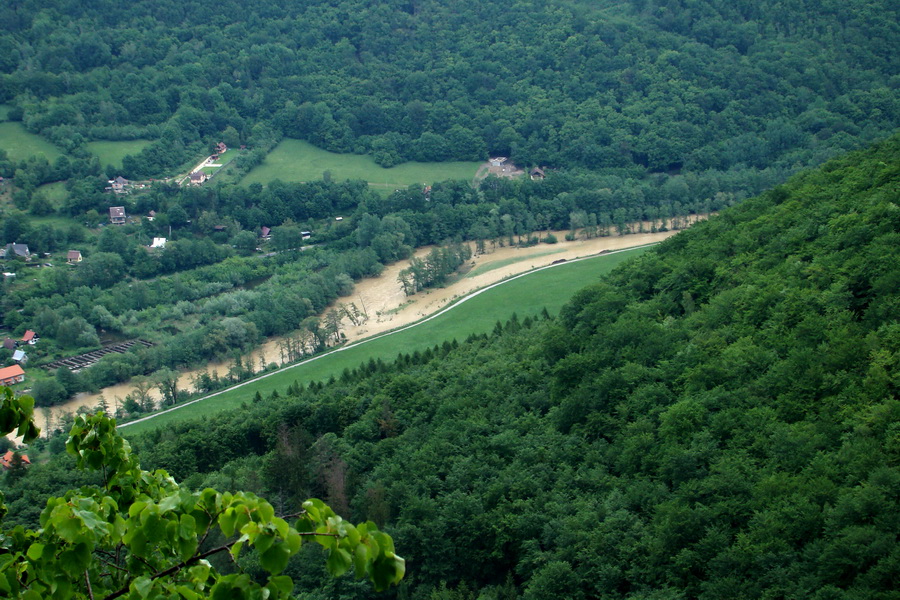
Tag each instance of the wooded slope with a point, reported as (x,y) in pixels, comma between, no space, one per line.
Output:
(716,419)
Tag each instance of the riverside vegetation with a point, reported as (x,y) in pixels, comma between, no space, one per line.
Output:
(715,418)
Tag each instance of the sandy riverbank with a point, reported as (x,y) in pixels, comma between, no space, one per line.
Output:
(383,300)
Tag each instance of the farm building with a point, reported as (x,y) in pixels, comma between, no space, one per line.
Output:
(73,256)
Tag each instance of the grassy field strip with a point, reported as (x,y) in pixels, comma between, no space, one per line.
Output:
(112,152)
(20,144)
(488,267)
(526,294)
(295,161)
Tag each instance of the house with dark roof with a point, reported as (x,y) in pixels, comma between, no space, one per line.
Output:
(10,344)
(119,185)
(198,177)
(73,256)
(16,251)
(117,215)
(537,173)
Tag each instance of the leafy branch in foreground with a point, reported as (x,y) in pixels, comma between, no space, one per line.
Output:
(141,535)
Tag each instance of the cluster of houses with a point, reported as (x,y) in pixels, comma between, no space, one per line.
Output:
(15,374)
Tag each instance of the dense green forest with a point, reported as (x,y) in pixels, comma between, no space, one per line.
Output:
(637,110)
(717,418)
(645,85)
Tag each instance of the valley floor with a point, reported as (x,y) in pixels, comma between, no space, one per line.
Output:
(388,308)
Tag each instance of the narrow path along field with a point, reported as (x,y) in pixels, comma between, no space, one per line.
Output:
(388,308)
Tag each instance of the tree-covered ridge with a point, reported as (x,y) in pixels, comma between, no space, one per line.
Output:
(652,85)
(716,419)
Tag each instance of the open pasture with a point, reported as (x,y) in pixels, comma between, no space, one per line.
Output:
(20,144)
(112,152)
(296,161)
(526,295)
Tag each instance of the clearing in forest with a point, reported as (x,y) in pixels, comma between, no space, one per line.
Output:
(296,161)
(112,152)
(20,144)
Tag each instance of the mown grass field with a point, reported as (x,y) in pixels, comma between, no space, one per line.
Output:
(526,296)
(112,152)
(296,160)
(19,144)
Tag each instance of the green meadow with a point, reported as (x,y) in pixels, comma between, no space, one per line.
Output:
(296,160)
(19,144)
(112,152)
(525,295)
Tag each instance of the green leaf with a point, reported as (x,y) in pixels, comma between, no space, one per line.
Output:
(275,559)
(338,562)
(227,521)
(143,586)
(35,551)
(282,584)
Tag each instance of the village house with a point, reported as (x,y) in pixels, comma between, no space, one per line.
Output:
(20,357)
(16,251)
(117,215)
(30,337)
(198,177)
(498,161)
(73,256)
(119,185)
(537,174)
(12,375)
(6,461)
(265,233)
(305,235)
(221,148)
(158,242)
(10,344)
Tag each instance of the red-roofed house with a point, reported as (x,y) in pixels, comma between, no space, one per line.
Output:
(30,337)
(6,459)
(11,375)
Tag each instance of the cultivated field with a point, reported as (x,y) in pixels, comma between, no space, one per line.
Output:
(112,153)
(526,295)
(296,160)
(19,144)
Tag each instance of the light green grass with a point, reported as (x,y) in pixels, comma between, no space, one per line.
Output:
(19,144)
(54,192)
(112,153)
(525,296)
(296,160)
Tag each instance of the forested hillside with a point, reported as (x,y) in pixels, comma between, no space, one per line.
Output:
(642,85)
(715,419)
